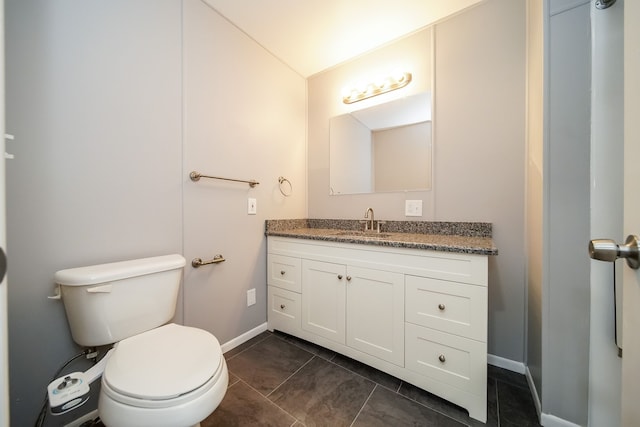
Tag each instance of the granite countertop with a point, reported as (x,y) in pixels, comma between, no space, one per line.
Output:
(460,237)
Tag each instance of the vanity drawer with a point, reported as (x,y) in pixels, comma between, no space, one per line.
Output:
(284,310)
(457,361)
(284,272)
(451,307)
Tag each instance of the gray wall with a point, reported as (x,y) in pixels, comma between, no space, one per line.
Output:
(105,137)
(93,98)
(566,294)
(479,143)
(558,188)
(244,117)
(480,149)
(535,190)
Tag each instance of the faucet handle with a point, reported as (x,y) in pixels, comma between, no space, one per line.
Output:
(366,224)
(379,224)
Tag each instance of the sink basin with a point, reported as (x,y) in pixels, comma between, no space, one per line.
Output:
(367,234)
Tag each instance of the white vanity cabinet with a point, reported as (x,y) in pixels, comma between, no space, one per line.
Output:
(419,315)
(360,307)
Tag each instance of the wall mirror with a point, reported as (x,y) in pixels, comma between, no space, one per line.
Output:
(384,148)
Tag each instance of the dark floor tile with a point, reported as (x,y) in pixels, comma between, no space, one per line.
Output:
(245,345)
(507,376)
(386,408)
(243,406)
(515,406)
(265,365)
(312,348)
(492,405)
(323,394)
(368,372)
(454,411)
(434,402)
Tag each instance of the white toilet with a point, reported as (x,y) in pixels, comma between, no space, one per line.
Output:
(157,374)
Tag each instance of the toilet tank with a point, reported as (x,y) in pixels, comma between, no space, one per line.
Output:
(109,302)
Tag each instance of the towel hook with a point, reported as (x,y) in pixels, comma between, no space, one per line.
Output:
(282,180)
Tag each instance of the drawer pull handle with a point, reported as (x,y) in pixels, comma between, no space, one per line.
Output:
(441,307)
(282,272)
(282,306)
(348,278)
(441,358)
(339,276)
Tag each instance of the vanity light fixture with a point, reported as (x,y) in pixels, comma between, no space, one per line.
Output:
(377,88)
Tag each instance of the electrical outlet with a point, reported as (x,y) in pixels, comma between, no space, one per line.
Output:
(251,297)
(252,206)
(413,207)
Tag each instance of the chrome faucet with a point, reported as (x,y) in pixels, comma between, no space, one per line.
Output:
(366,216)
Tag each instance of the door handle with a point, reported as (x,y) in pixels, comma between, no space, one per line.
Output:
(3,264)
(609,250)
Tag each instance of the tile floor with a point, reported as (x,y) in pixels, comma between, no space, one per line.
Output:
(279,380)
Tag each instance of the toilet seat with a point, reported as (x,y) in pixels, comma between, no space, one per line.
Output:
(163,367)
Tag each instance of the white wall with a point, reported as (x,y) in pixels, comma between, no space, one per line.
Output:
(108,124)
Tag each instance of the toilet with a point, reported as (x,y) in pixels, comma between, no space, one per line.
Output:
(158,373)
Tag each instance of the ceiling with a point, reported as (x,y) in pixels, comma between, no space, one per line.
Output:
(313,35)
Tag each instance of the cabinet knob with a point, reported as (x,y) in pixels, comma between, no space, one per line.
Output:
(441,307)
(282,306)
(339,276)
(348,278)
(282,272)
(441,358)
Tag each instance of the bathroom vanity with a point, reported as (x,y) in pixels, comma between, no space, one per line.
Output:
(411,304)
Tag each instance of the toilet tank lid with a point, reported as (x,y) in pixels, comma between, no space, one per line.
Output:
(109,272)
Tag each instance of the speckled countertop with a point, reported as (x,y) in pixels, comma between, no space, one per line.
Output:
(461,237)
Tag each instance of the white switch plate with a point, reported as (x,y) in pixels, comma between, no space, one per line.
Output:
(252,207)
(251,297)
(413,207)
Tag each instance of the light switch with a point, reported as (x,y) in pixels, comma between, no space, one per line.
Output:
(252,207)
(413,207)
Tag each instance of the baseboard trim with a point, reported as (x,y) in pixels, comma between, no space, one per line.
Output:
(508,364)
(548,420)
(534,393)
(230,345)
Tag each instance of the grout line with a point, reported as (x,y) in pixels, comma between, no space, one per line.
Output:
(313,356)
(270,401)
(376,384)
(364,404)
(402,395)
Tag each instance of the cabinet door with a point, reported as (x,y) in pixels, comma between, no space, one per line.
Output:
(323,299)
(375,313)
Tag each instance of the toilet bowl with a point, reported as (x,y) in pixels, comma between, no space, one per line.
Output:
(171,376)
(158,374)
